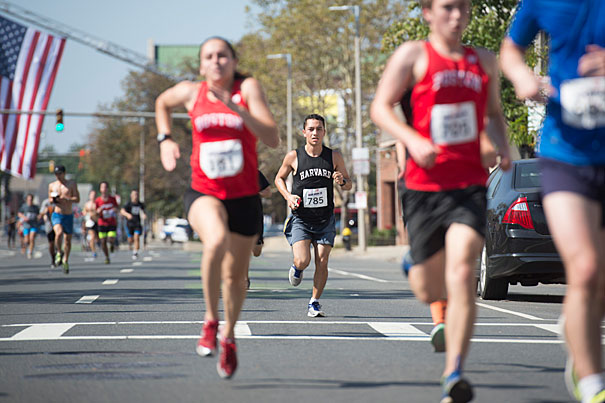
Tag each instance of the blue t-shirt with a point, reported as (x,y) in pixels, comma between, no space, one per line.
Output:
(572,25)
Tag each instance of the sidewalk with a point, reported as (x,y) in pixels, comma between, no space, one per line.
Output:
(279,244)
(387,253)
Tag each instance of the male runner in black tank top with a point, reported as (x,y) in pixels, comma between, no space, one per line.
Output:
(314,168)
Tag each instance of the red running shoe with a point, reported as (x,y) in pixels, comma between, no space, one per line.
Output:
(206,345)
(227,362)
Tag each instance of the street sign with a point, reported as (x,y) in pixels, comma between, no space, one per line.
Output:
(361,200)
(361,161)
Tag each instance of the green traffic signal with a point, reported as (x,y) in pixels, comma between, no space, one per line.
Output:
(59,126)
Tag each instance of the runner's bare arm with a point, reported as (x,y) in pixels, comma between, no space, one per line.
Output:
(266,192)
(496,125)
(527,85)
(182,94)
(75,194)
(341,176)
(124,213)
(258,118)
(398,76)
(288,166)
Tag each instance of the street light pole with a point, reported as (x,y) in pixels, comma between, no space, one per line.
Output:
(361,222)
(288,58)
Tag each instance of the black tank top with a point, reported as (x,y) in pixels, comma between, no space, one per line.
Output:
(314,184)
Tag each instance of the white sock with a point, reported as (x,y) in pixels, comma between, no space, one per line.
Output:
(312,300)
(590,385)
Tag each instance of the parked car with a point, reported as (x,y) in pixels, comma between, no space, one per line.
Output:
(518,246)
(175,230)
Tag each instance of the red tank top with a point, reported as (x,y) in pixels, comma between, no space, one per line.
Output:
(223,159)
(107,217)
(448,107)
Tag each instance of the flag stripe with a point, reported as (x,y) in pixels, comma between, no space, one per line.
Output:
(19,84)
(50,74)
(31,64)
(33,87)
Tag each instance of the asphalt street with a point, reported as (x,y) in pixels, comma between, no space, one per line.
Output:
(126,332)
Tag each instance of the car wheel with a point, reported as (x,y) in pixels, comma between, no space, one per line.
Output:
(490,288)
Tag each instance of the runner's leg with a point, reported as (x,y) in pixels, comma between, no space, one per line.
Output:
(208,218)
(574,223)
(322,254)
(234,270)
(302,254)
(463,245)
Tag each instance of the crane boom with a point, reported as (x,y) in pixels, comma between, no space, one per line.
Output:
(101,45)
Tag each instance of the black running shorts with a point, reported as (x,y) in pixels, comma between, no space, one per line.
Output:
(243,213)
(429,214)
(586,180)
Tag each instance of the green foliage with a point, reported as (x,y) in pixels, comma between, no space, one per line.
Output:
(487,28)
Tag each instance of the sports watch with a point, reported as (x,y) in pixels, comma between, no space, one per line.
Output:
(163,136)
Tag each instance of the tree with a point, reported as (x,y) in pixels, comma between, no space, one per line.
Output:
(487,27)
(321,43)
(114,148)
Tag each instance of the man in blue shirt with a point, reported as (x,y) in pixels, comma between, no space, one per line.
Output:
(572,160)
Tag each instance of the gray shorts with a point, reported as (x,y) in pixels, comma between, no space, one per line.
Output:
(297,230)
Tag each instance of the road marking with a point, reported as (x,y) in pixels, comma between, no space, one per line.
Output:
(394,329)
(361,276)
(522,315)
(137,263)
(391,331)
(126,270)
(87,299)
(242,330)
(110,282)
(556,329)
(43,331)
(147,259)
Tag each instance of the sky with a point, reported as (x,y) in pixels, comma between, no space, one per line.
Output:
(88,78)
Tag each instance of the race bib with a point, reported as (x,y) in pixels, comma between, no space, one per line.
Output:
(453,123)
(108,213)
(221,159)
(89,223)
(583,102)
(135,210)
(31,216)
(315,198)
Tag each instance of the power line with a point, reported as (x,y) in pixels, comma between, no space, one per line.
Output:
(99,44)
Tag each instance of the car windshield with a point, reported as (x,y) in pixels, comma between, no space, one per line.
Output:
(528,175)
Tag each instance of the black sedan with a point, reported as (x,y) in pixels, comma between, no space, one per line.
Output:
(518,246)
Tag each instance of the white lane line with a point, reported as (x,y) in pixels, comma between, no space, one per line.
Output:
(87,299)
(394,329)
(522,315)
(126,270)
(137,263)
(147,259)
(280,337)
(43,331)
(242,329)
(361,276)
(556,329)
(110,281)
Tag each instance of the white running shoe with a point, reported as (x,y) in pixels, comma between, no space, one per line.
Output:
(295,276)
(315,310)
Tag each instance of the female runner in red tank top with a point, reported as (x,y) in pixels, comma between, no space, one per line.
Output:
(455,91)
(229,113)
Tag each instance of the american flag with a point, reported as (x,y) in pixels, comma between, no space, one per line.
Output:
(29,61)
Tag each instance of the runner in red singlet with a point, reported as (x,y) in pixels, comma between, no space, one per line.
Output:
(107,209)
(228,113)
(455,95)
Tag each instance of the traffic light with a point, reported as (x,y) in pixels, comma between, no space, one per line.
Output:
(59,126)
